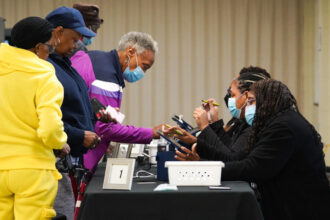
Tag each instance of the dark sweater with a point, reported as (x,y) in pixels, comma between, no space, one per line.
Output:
(288,166)
(76,107)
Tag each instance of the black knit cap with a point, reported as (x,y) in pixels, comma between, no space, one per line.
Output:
(30,31)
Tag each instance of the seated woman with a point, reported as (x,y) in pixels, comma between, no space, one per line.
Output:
(286,158)
(215,138)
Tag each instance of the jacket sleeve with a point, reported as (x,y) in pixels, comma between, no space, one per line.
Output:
(210,146)
(75,135)
(123,133)
(217,127)
(49,98)
(269,156)
(83,64)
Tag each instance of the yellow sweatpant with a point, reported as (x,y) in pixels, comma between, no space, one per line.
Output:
(28,194)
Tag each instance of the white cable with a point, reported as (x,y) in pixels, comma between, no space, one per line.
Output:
(147,155)
(143,171)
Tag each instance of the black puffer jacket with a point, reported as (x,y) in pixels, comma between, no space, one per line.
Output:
(214,143)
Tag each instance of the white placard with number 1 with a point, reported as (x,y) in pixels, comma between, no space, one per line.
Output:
(119,173)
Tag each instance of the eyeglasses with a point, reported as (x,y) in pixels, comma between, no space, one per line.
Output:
(51,48)
(228,92)
(250,101)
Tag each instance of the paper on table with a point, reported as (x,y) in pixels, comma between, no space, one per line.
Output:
(114,114)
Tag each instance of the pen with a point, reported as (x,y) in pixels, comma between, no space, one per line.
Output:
(177,131)
(214,103)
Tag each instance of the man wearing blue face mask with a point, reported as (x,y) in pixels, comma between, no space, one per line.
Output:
(104,74)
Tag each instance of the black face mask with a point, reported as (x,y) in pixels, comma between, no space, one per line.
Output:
(227,96)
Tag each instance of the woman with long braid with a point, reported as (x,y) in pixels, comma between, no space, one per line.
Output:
(286,158)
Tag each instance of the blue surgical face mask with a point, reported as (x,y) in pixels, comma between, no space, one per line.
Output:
(134,75)
(234,111)
(250,111)
(88,40)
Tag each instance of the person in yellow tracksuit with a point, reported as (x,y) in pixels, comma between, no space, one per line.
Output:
(31,125)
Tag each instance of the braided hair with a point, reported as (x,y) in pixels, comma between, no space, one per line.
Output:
(272,99)
(251,74)
(255,69)
(248,76)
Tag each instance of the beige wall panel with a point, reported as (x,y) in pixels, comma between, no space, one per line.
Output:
(158,71)
(253,33)
(133,101)
(239,46)
(291,71)
(278,40)
(172,62)
(266,34)
(309,45)
(186,89)
(146,92)
(212,81)
(324,106)
(226,53)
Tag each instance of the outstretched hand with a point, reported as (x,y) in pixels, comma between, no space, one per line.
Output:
(185,136)
(155,135)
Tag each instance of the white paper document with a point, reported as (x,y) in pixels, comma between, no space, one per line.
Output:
(115,114)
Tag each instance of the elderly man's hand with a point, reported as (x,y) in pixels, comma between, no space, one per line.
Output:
(155,135)
(188,155)
(91,139)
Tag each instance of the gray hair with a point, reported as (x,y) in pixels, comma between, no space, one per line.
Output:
(138,40)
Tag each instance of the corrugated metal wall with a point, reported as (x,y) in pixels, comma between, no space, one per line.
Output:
(202,46)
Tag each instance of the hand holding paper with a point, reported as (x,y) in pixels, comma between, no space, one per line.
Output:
(115,114)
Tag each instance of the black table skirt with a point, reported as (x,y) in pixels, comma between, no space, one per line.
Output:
(186,203)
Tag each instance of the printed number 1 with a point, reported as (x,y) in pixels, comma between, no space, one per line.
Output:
(121,172)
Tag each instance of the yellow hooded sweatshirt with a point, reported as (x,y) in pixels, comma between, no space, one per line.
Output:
(30,114)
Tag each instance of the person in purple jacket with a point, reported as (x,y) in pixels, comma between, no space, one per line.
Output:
(104,74)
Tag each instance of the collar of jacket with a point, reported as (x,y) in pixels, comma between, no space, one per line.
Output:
(116,64)
(65,60)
